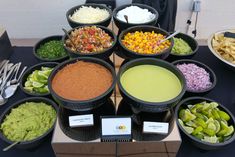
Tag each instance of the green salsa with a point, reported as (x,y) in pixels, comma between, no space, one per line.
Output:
(28,121)
(151,83)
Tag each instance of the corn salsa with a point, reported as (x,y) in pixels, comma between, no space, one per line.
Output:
(145,42)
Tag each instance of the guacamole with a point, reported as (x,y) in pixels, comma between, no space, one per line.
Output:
(181,47)
(28,121)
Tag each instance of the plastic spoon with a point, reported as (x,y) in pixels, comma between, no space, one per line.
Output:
(126,18)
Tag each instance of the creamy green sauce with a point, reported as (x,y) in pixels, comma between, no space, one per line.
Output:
(151,83)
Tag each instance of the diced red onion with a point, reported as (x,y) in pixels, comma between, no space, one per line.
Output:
(197,78)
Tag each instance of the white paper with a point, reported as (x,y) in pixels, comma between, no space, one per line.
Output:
(116,126)
(155,127)
(81,120)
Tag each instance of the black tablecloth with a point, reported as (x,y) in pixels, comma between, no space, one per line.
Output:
(224,92)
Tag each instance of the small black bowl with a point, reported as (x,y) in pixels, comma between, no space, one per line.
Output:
(123,25)
(129,54)
(209,70)
(42,42)
(104,22)
(191,42)
(198,143)
(145,106)
(102,55)
(33,143)
(85,105)
(29,71)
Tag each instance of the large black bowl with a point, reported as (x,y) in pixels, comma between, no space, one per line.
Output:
(145,106)
(85,105)
(129,54)
(33,143)
(198,143)
(123,25)
(42,42)
(191,42)
(209,70)
(104,22)
(29,71)
(103,55)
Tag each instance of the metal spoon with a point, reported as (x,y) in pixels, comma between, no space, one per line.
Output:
(13,144)
(67,34)
(170,36)
(14,81)
(11,89)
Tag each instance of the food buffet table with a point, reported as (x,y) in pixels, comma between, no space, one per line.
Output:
(223,92)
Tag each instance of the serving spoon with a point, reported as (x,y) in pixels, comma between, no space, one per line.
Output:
(170,36)
(13,144)
(126,18)
(67,34)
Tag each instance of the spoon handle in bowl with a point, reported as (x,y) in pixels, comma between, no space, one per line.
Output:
(10,146)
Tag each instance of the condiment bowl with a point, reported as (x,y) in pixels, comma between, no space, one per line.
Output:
(144,106)
(29,71)
(191,42)
(196,142)
(129,54)
(42,42)
(35,142)
(217,55)
(124,25)
(74,24)
(208,69)
(102,55)
(83,105)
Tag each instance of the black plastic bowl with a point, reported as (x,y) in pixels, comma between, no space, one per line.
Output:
(102,55)
(191,42)
(85,105)
(29,71)
(123,25)
(104,22)
(198,143)
(209,70)
(145,106)
(42,42)
(33,143)
(129,54)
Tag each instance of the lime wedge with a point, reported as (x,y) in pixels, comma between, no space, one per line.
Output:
(209,132)
(197,130)
(188,129)
(230,130)
(217,124)
(211,126)
(224,115)
(28,84)
(37,84)
(212,139)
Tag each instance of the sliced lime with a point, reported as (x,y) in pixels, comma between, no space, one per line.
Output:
(197,130)
(230,130)
(217,124)
(209,132)
(212,126)
(224,115)
(37,84)
(212,139)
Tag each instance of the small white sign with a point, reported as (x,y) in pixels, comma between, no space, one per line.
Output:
(155,127)
(116,126)
(81,120)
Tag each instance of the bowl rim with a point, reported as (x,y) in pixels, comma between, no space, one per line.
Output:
(87,59)
(29,71)
(194,138)
(144,55)
(114,37)
(151,9)
(18,103)
(194,51)
(52,37)
(70,12)
(209,43)
(201,65)
(151,104)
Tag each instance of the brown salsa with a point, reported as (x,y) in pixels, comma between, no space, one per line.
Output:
(82,81)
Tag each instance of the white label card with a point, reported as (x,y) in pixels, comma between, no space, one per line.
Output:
(116,126)
(81,120)
(155,127)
